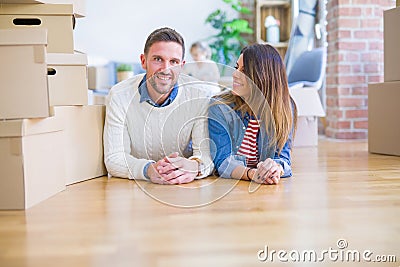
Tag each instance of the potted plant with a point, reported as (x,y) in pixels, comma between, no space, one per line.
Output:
(228,41)
(124,71)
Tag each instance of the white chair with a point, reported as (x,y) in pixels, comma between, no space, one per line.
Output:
(309,69)
(305,80)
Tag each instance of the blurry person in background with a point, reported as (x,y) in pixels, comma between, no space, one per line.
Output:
(202,67)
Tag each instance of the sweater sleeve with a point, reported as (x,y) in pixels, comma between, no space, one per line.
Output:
(117,150)
(200,139)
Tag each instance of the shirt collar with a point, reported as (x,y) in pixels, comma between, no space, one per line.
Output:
(144,94)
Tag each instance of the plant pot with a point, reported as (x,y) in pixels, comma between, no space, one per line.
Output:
(123,75)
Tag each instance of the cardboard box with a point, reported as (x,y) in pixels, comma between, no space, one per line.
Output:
(78,5)
(23,70)
(57,19)
(309,108)
(391,51)
(99,77)
(307,131)
(67,79)
(83,143)
(97,97)
(383,118)
(31,161)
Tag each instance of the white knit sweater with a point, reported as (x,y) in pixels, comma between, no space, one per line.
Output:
(136,133)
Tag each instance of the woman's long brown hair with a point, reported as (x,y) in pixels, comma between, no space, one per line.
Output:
(264,67)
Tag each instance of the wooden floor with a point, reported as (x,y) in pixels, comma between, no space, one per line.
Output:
(339,191)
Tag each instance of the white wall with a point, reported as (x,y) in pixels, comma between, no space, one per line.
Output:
(117,30)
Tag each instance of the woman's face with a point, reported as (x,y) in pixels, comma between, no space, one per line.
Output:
(240,84)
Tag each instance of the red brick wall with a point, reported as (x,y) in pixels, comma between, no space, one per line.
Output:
(355,58)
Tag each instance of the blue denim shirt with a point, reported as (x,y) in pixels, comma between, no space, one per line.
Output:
(226,129)
(144,96)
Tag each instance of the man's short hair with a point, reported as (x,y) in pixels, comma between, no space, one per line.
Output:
(164,35)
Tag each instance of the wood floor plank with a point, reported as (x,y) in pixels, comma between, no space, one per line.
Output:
(338,191)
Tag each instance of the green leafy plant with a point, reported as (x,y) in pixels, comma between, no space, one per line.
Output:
(228,41)
(124,67)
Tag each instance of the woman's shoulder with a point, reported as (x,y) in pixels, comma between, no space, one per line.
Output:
(220,101)
(219,105)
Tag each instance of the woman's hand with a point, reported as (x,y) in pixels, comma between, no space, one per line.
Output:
(268,172)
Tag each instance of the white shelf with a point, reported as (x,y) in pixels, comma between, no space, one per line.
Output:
(267,3)
(278,45)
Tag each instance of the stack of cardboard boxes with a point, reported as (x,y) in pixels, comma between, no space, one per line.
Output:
(49,136)
(383,98)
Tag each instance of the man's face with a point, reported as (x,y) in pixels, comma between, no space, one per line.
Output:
(163,65)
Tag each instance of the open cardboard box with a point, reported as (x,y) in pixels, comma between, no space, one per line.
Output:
(309,108)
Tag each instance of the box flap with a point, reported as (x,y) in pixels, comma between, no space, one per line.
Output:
(307,101)
(36,9)
(23,37)
(67,59)
(24,127)
(78,5)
